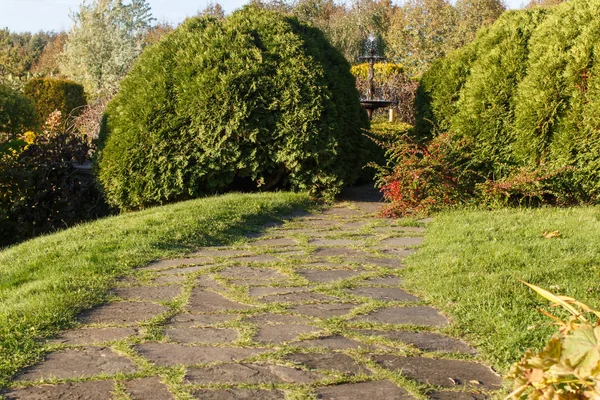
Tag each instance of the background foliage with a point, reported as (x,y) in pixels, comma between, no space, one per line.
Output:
(17,114)
(51,95)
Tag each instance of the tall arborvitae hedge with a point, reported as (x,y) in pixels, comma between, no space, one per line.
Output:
(256,100)
(527,92)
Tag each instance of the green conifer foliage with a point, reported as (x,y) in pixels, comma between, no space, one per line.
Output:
(256,100)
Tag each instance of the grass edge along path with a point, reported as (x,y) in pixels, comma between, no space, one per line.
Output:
(47,281)
(470,266)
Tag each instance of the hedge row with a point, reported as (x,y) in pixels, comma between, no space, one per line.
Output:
(526,93)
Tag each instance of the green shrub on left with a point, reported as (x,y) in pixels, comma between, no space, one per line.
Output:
(17,114)
(50,94)
(255,101)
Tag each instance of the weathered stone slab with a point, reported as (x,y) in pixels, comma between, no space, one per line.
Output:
(339,252)
(297,298)
(177,262)
(268,291)
(318,223)
(86,362)
(395,229)
(320,276)
(329,361)
(185,270)
(93,335)
(261,258)
(249,276)
(440,372)
(96,390)
(277,334)
(456,396)
(277,319)
(273,242)
(382,281)
(169,354)
(352,225)
(239,394)
(148,389)
(206,281)
(400,253)
(148,293)
(335,342)
(204,301)
(426,316)
(202,335)
(401,242)
(323,310)
(426,341)
(220,252)
(249,374)
(377,261)
(122,312)
(385,294)
(335,242)
(365,390)
(343,212)
(199,321)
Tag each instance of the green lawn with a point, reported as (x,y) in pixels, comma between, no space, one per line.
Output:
(471,263)
(46,282)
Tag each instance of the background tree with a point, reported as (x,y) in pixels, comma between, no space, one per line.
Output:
(107,37)
(48,62)
(472,15)
(544,3)
(213,10)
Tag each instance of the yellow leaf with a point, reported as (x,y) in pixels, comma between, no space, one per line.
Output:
(551,234)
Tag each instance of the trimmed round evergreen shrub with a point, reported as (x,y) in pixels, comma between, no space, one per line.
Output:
(526,93)
(255,101)
(17,113)
(51,94)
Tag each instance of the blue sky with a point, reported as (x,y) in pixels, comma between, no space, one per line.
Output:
(48,15)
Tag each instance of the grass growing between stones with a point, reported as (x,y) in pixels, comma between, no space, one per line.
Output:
(471,263)
(46,282)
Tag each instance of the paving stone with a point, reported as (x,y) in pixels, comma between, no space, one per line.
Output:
(204,301)
(96,390)
(426,316)
(323,310)
(277,319)
(262,258)
(199,321)
(297,298)
(390,280)
(335,242)
(148,293)
(247,275)
(401,242)
(386,294)
(384,390)
(185,270)
(220,252)
(255,374)
(329,361)
(85,362)
(440,372)
(319,223)
(273,242)
(269,290)
(352,225)
(169,354)
(93,335)
(166,279)
(276,334)
(338,252)
(148,389)
(239,394)
(402,253)
(426,341)
(335,342)
(342,212)
(377,261)
(202,335)
(206,281)
(456,396)
(122,312)
(327,276)
(177,262)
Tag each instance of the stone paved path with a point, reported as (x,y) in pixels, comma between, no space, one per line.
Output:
(311,309)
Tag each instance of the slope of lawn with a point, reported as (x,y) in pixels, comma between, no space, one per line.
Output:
(471,263)
(45,282)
